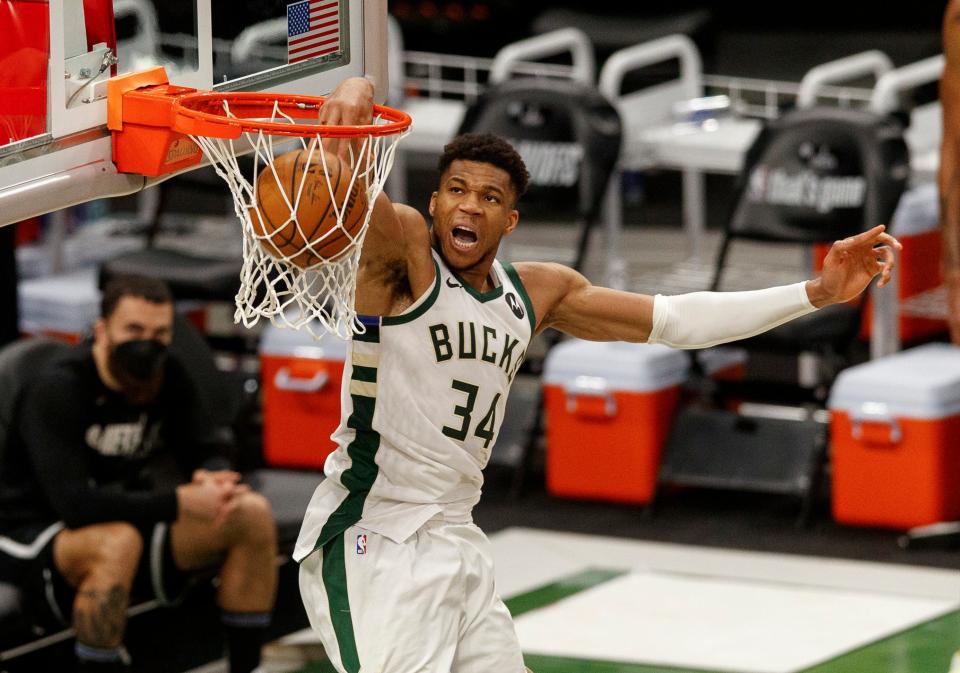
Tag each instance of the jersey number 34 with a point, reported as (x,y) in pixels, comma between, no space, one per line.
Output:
(485,428)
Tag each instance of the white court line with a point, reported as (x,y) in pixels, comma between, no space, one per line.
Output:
(526,558)
(707,623)
(712,609)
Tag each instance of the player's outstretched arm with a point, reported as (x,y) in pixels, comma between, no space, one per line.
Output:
(397,237)
(568,302)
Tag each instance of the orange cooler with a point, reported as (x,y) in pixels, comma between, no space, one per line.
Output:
(895,439)
(301,396)
(608,407)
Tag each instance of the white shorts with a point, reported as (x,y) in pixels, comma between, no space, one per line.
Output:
(425,606)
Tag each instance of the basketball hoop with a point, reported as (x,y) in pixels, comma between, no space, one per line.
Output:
(159,129)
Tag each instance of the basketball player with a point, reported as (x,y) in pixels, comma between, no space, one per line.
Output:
(114,485)
(949,172)
(394,575)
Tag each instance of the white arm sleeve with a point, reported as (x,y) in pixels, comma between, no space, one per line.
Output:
(702,319)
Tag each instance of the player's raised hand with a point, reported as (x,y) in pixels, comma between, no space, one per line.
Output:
(350,104)
(852,263)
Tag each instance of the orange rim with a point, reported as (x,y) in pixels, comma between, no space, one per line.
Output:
(202,114)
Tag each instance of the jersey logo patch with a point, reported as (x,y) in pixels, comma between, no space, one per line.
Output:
(514,304)
(361,544)
(453,283)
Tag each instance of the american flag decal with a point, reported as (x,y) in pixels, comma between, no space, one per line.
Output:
(313,29)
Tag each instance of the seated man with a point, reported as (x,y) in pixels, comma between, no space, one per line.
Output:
(113,484)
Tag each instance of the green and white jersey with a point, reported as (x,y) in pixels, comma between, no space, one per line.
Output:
(423,396)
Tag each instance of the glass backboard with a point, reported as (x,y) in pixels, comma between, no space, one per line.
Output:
(55,149)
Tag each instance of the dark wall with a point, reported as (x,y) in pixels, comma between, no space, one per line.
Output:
(921,15)
(8,286)
(471,26)
(792,36)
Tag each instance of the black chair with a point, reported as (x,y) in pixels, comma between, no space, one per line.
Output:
(812,176)
(569,136)
(189,276)
(19,362)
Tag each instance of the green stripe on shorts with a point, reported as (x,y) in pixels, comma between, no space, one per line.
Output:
(335,583)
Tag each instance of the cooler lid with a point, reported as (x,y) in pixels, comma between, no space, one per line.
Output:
(922,382)
(719,358)
(288,342)
(918,211)
(67,302)
(578,364)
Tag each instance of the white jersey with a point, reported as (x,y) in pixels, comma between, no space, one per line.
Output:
(423,396)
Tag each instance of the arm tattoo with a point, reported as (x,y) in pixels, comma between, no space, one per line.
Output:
(100,616)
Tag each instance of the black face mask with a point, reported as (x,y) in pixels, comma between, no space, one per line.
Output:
(140,360)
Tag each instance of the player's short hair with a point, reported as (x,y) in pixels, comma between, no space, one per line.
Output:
(489,149)
(132,285)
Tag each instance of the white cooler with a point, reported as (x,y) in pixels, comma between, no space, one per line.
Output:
(895,439)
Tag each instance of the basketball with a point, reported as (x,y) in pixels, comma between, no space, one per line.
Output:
(278,232)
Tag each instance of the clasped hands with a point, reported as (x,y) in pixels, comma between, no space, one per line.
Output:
(212,495)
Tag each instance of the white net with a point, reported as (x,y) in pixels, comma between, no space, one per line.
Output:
(303,225)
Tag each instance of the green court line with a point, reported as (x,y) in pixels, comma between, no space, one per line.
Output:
(544,664)
(925,648)
(562,588)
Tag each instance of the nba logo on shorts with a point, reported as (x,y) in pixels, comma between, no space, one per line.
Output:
(361,544)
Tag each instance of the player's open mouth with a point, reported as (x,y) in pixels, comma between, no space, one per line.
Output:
(463,238)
